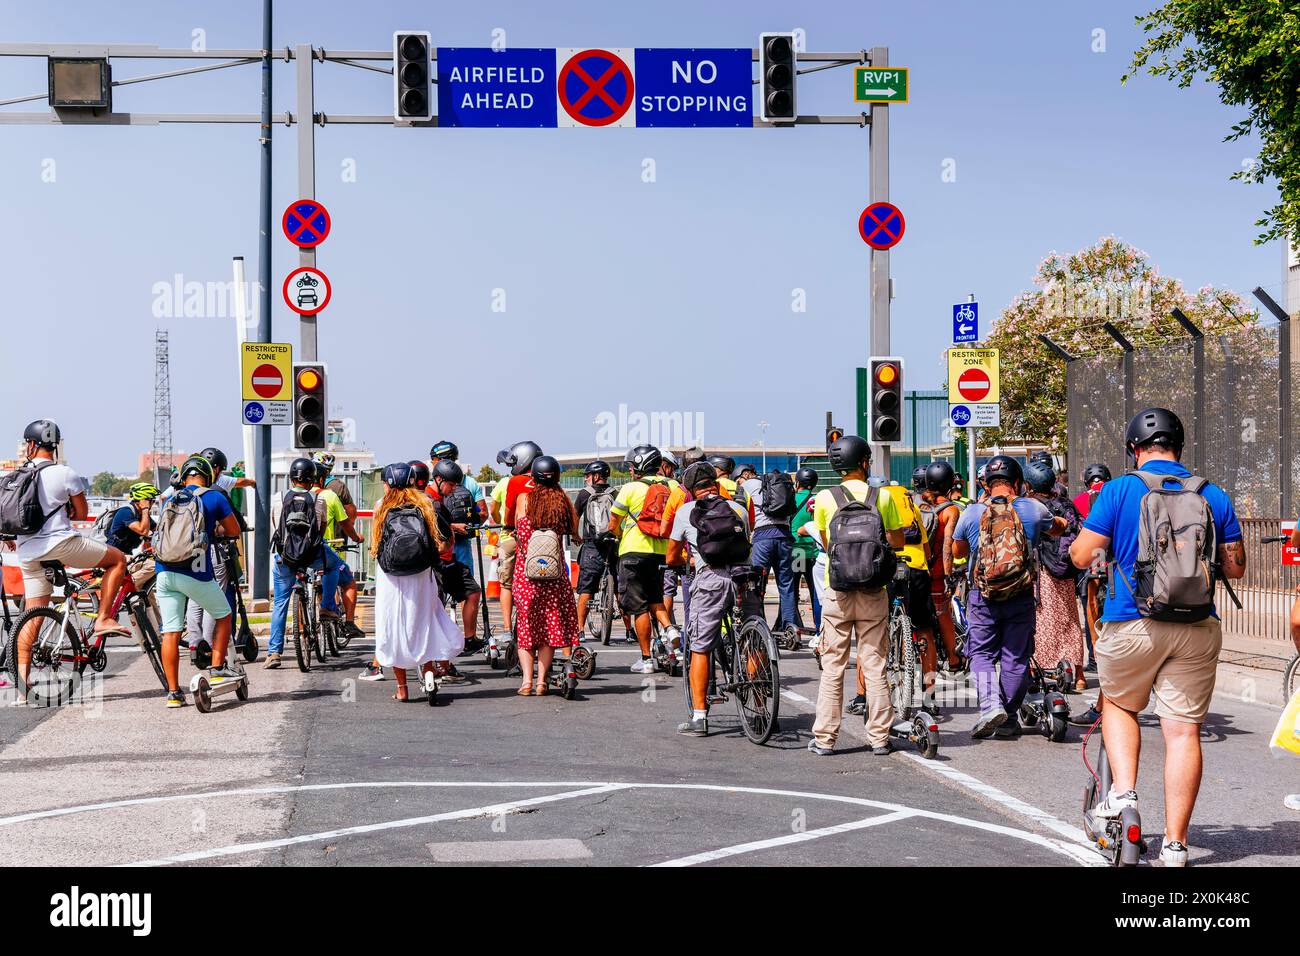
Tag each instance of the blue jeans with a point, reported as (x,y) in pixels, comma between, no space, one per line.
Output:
(774,548)
(283,577)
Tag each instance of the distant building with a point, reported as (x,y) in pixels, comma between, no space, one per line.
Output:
(147,460)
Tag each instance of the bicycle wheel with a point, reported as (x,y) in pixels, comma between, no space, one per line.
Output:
(757,679)
(603,623)
(149,641)
(54,673)
(302,640)
(1291,680)
(329,633)
(342,637)
(902,662)
(319,639)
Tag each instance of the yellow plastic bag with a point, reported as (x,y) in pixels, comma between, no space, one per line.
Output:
(1286,736)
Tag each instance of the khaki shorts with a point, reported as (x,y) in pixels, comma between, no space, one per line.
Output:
(1179,662)
(506,561)
(74,552)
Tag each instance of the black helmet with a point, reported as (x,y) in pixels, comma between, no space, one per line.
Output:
(1095,473)
(1003,468)
(849,453)
(643,459)
(302,471)
(699,474)
(196,465)
(174,479)
(398,475)
(723,463)
(546,471)
(806,477)
(519,457)
(918,477)
(1043,455)
(691,455)
(597,467)
(216,456)
(449,471)
(940,477)
(44,432)
(419,474)
(739,470)
(1040,476)
(444,449)
(1155,426)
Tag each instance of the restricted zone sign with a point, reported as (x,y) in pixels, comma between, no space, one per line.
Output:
(973,376)
(266,383)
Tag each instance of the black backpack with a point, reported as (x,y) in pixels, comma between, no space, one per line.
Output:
(20,502)
(860,558)
(1054,553)
(405,545)
(720,533)
(300,537)
(778,496)
(460,507)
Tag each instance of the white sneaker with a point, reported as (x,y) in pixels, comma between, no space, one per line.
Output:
(672,638)
(643,667)
(1117,803)
(1173,853)
(1292,801)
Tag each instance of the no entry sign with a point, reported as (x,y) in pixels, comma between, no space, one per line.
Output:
(306,223)
(267,381)
(972,376)
(973,384)
(881,225)
(306,290)
(596,88)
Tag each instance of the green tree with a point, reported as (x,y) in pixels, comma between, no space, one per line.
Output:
(1251,50)
(487,474)
(102,484)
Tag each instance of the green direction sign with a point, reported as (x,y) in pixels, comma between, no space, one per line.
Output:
(880,84)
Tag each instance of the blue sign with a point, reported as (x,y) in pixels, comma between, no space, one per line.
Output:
(960,415)
(694,87)
(490,88)
(965,322)
(254,412)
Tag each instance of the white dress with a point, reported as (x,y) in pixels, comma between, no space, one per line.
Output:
(411,625)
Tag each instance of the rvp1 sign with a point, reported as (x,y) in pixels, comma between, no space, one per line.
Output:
(1290,555)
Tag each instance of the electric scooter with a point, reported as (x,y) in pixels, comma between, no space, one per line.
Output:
(1119,840)
(1044,706)
(205,693)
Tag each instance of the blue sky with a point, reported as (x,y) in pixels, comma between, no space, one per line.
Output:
(666,296)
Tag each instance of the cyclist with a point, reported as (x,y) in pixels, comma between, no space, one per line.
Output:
(132,525)
(224,555)
(773,543)
(939,481)
(61,498)
(518,458)
(724,526)
(918,484)
(302,475)
(455,507)
(636,519)
(1057,636)
(673,577)
(339,530)
(1138,653)
(958,494)
(449,451)
(804,550)
(1089,583)
(859,612)
(194,580)
(595,556)
(1000,534)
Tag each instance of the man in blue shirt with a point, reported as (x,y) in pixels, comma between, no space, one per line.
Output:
(1136,654)
(1002,630)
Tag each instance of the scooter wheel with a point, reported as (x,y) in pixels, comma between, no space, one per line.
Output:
(242,690)
(203,696)
(250,649)
(433,696)
(584,663)
(926,742)
(201,656)
(496,662)
(1055,727)
(570,689)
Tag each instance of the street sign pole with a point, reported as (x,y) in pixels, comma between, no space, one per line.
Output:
(305,61)
(879,192)
(260,570)
(970,445)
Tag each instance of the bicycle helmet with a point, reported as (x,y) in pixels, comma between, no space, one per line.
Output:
(142,491)
(44,432)
(1095,473)
(806,477)
(324,463)
(691,455)
(643,459)
(302,471)
(216,457)
(174,479)
(1155,426)
(723,463)
(1043,455)
(546,471)
(980,474)
(940,477)
(670,460)
(419,474)
(519,457)
(1039,476)
(1003,468)
(448,471)
(918,477)
(598,467)
(849,453)
(397,475)
(197,465)
(444,449)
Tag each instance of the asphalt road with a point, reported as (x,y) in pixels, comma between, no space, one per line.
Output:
(319,769)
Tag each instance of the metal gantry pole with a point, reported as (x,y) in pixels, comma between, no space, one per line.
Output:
(879,192)
(261,577)
(306,62)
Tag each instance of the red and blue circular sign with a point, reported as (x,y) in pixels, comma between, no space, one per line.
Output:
(881,225)
(595,87)
(306,223)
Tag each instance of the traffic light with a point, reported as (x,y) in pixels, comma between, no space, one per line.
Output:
(309,408)
(412,77)
(833,434)
(776,77)
(886,407)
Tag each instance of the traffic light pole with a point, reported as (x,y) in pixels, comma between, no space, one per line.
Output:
(305,61)
(880,291)
(259,572)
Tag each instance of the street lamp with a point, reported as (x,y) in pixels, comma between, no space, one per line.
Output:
(763,427)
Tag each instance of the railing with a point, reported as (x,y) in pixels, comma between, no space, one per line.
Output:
(1266,592)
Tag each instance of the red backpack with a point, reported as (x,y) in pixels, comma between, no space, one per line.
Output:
(650,518)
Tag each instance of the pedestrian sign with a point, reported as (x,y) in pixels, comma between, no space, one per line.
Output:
(965,322)
(973,376)
(881,225)
(880,84)
(266,383)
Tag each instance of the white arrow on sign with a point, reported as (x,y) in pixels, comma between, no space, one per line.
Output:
(889,92)
(965,329)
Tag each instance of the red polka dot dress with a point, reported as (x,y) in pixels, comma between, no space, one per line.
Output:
(545,611)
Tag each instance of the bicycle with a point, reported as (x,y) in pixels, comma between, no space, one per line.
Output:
(603,609)
(915,723)
(1118,840)
(745,663)
(308,636)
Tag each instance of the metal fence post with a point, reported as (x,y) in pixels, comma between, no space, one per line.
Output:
(1127,346)
(1285,465)
(1199,443)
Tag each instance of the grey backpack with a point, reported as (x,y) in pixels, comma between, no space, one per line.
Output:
(1175,570)
(181,535)
(595,516)
(545,561)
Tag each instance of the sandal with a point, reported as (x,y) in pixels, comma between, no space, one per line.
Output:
(525,691)
(401,696)
(112,630)
(542,690)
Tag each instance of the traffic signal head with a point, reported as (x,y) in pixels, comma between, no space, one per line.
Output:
(886,409)
(309,407)
(776,77)
(412,76)
(833,434)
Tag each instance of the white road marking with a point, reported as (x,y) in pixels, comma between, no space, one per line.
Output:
(798,698)
(710,855)
(508,851)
